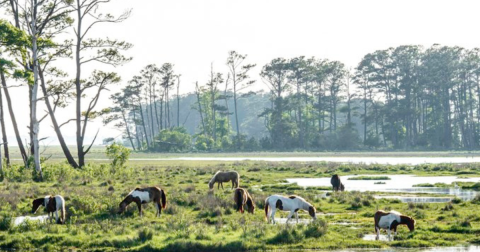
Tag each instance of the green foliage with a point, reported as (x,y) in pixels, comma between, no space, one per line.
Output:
(316,229)
(203,143)
(118,154)
(173,140)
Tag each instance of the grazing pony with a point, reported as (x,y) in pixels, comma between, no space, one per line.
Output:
(51,204)
(291,203)
(337,183)
(390,221)
(221,177)
(242,197)
(145,195)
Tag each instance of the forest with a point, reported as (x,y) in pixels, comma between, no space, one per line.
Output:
(403,98)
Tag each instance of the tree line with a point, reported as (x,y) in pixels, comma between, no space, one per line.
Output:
(406,98)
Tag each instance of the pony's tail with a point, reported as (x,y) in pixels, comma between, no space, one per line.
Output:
(164,200)
(266,209)
(239,200)
(63,213)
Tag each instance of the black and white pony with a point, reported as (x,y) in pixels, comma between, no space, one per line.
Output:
(291,203)
(390,221)
(52,204)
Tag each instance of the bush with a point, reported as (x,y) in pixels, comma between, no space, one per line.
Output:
(286,236)
(6,222)
(173,140)
(119,155)
(316,229)
(204,143)
(145,235)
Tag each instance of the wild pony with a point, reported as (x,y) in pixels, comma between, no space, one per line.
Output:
(390,221)
(337,183)
(143,196)
(51,204)
(226,176)
(241,197)
(291,203)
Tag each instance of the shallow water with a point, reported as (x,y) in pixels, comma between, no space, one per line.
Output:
(397,183)
(416,199)
(19,220)
(354,160)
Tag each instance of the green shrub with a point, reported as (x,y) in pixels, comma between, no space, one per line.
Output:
(6,222)
(119,155)
(145,235)
(316,229)
(173,140)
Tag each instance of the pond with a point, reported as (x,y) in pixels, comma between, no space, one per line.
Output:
(400,184)
(19,220)
(354,160)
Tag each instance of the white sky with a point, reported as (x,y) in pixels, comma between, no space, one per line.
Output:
(192,34)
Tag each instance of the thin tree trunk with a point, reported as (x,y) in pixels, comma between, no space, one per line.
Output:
(197,92)
(61,140)
(4,131)
(14,121)
(128,130)
(143,124)
(178,101)
(78,102)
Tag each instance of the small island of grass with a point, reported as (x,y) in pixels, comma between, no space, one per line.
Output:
(369,178)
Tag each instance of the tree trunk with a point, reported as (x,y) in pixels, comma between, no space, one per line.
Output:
(78,111)
(61,140)
(178,101)
(128,130)
(14,121)
(143,124)
(4,131)
(34,122)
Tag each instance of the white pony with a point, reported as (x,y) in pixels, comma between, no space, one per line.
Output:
(291,203)
(51,204)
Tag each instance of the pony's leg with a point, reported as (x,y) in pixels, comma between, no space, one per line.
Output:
(233,183)
(139,205)
(222,185)
(378,233)
(56,216)
(296,216)
(272,215)
(218,185)
(389,231)
(159,209)
(290,215)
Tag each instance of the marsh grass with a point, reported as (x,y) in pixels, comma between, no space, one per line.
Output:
(197,219)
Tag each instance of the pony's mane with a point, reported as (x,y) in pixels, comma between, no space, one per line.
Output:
(395,212)
(214,176)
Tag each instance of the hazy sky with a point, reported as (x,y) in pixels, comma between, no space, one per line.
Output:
(192,34)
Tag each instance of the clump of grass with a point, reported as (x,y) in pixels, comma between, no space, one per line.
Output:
(370,178)
(379,183)
(316,229)
(6,222)
(145,235)
(448,207)
(423,185)
(287,235)
(456,200)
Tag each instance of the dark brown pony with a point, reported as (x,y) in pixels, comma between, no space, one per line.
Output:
(221,177)
(144,195)
(241,197)
(337,183)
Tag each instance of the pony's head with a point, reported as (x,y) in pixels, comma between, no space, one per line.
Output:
(312,211)
(37,203)
(251,205)
(410,223)
(210,184)
(124,204)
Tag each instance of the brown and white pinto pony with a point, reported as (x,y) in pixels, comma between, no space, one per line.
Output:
(226,176)
(241,197)
(390,221)
(145,195)
(52,204)
(291,203)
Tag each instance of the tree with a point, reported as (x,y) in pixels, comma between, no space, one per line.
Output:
(87,50)
(240,80)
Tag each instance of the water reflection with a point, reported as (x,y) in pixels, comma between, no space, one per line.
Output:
(397,183)
(21,219)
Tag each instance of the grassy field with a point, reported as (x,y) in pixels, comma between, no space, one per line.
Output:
(98,152)
(199,220)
